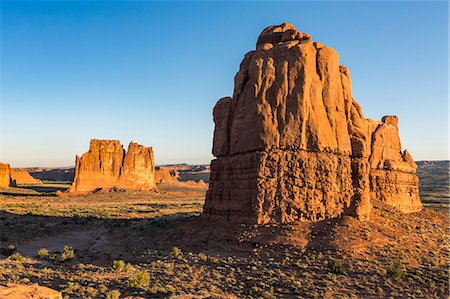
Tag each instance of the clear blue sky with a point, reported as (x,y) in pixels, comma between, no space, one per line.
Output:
(151,72)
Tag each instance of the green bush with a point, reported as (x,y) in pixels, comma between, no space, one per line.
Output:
(203,257)
(334,266)
(16,257)
(113,294)
(397,270)
(42,253)
(175,252)
(120,266)
(67,253)
(139,279)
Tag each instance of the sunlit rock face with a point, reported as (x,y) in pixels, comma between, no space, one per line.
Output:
(106,165)
(23,177)
(5,175)
(292,143)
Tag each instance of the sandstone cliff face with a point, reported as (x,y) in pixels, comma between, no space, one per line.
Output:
(293,144)
(5,175)
(107,165)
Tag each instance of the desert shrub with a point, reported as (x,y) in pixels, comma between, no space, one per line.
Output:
(53,257)
(334,266)
(139,279)
(120,266)
(396,270)
(113,294)
(67,253)
(175,252)
(16,257)
(128,267)
(42,253)
(203,257)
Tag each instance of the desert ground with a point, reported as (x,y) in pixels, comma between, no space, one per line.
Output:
(141,244)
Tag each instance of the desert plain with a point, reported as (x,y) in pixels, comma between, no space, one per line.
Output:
(151,232)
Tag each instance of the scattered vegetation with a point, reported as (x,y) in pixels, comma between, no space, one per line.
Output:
(149,265)
(67,253)
(120,266)
(203,257)
(396,270)
(175,252)
(139,279)
(334,266)
(16,257)
(113,294)
(42,253)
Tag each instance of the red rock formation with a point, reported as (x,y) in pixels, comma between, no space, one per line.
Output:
(293,144)
(5,175)
(199,184)
(165,175)
(106,165)
(23,177)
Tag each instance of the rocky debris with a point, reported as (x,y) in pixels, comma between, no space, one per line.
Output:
(28,291)
(23,177)
(107,166)
(5,175)
(292,143)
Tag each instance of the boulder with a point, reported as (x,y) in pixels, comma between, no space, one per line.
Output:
(106,166)
(5,175)
(292,143)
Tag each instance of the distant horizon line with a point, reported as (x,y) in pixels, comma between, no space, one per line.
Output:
(181,163)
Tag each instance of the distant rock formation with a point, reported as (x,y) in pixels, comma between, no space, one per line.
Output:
(199,184)
(5,175)
(23,177)
(170,175)
(165,175)
(292,143)
(106,165)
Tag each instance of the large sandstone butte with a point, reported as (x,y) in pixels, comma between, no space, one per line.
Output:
(106,165)
(292,143)
(5,175)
